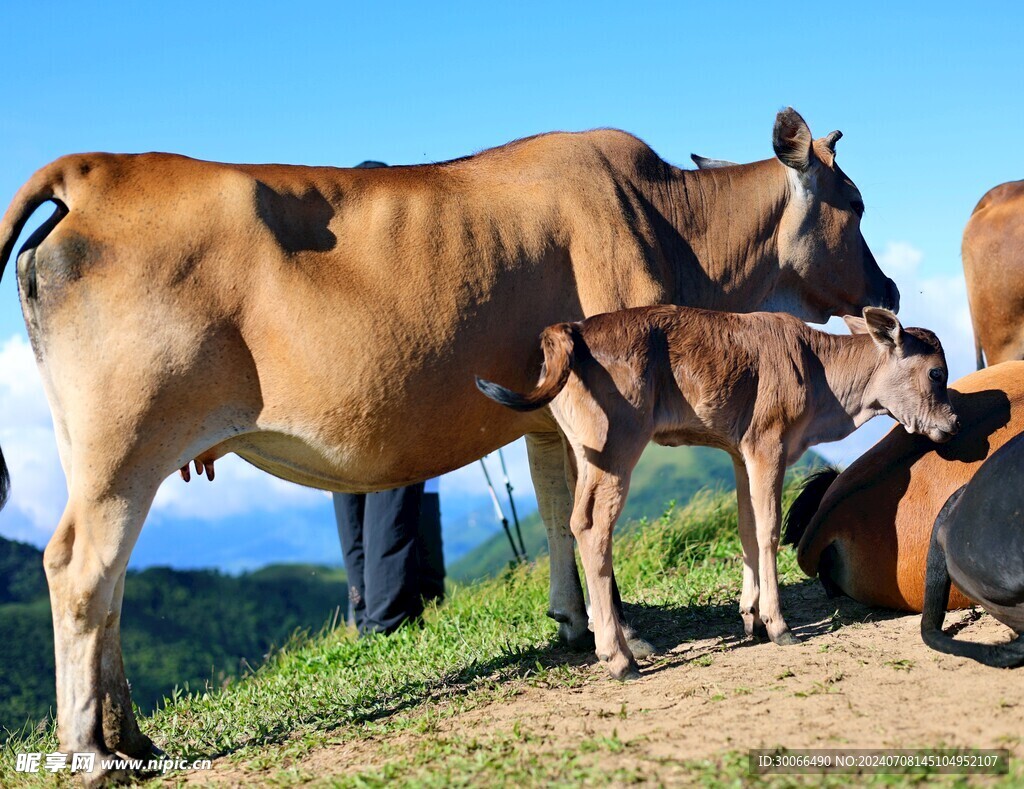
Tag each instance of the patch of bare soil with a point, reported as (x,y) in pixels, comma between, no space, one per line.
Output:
(861,679)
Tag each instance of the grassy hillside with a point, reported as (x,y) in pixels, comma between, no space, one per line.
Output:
(663,475)
(486,640)
(192,629)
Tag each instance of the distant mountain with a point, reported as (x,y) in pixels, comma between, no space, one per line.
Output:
(663,475)
(178,627)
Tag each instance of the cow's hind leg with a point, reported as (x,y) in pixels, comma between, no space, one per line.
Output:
(547,453)
(936,597)
(85,563)
(120,729)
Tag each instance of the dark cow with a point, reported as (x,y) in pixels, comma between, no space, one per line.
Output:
(978,543)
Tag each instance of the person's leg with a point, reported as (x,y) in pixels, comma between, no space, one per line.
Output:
(431,549)
(392,570)
(349,509)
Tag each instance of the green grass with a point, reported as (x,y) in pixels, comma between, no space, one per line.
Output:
(484,644)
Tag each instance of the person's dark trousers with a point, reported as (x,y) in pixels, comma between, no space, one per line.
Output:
(379,537)
(431,549)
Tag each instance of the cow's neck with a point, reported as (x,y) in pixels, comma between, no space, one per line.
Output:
(729,218)
(848,397)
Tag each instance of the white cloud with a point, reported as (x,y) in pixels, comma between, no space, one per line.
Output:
(929,299)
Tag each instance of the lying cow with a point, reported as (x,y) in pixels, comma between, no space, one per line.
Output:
(993,255)
(762,387)
(978,542)
(181,309)
(865,532)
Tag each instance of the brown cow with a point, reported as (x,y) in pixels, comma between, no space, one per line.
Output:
(865,532)
(993,253)
(325,324)
(762,387)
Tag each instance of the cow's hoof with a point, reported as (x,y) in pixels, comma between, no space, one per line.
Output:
(758,632)
(786,639)
(575,641)
(139,747)
(101,778)
(576,637)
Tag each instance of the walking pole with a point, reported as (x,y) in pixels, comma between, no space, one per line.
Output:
(499,513)
(512,504)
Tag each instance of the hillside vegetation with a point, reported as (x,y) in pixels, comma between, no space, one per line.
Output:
(664,475)
(483,646)
(190,629)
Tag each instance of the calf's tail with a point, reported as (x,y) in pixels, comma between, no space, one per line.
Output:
(557,342)
(936,595)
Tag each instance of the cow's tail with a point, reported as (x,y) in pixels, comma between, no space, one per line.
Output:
(45,184)
(557,343)
(936,598)
(806,504)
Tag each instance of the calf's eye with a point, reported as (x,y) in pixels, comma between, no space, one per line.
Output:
(937,374)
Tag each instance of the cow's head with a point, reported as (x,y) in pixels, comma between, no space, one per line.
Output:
(825,262)
(825,265)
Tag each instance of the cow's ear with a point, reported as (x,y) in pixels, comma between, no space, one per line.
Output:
(884,327)
(792,140)
(704,163)
(856,325)
(831,139)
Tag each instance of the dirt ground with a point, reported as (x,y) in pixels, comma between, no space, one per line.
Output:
(861,678)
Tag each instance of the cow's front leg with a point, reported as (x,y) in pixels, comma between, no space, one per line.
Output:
(765,469)
(547,453)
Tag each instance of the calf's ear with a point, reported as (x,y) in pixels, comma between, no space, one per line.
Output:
(792,140)
(856,325)
(884,327)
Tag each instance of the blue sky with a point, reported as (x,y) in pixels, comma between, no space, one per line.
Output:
(927,94)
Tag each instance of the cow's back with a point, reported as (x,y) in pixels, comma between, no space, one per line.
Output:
(361,300)
(993,257)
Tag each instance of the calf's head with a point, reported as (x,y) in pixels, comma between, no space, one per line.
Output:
(910,378)
(825,265)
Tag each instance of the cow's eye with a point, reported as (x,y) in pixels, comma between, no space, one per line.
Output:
(937,374)
(857,206)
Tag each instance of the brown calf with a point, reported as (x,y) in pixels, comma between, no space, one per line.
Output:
(763,387)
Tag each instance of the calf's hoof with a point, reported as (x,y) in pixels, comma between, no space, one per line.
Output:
(786,639)
(622,668)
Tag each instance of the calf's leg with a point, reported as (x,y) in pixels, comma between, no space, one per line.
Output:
(765,470)
(600,496)
(749,597)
